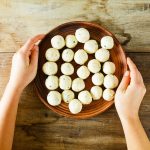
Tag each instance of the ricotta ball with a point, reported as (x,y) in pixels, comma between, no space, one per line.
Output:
(91,46)
(107,42)
(85,97)
(98,78)
(67,96)
(68,55)
(102,55)
(109,67)
(67,69)
(75,106)
(108,94)
(80,57)
(52,54)
(96,92)
(54,98)
(58,42)
(78,84)
(51,82)
(94,66)
(82,35)
(65,82)
(71,41)
(83,72)
(50,68)
(110,81)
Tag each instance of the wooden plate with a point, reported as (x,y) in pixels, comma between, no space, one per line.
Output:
(96,32)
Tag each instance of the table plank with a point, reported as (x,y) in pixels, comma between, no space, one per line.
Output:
(39,128)
(128,20)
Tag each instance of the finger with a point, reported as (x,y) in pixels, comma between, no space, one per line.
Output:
(31,42)
(34,56)
(134,73)
(124,82)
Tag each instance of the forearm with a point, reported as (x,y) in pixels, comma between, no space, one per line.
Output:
(8,111)
(135,135)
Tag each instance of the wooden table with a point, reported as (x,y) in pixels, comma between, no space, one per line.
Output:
(37,127)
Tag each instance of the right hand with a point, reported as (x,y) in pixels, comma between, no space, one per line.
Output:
(130,93)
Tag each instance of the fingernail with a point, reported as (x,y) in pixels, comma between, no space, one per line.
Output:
(126,73)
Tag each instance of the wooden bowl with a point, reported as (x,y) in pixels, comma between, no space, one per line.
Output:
(96,32)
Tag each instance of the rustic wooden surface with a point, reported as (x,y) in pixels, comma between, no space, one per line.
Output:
(38,128)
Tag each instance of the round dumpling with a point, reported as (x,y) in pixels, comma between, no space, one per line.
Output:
(80,57)
(82,35)
(85,97)
(67,69)
(91,46)
(108,94)
(94,66)
(102,55)
(78,84)
(54,98)
(52,54)
(58,42)
(83,72)
(110,81)
(96,92)
(67,55)
(107,42)
(51,82)
(98,79)
(50,68)
(65,82)
(109,67)
(67,95)
(71,41)
(75,106)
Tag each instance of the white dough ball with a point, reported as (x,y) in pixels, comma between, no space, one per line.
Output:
(94,66)
(102,55)
(80,57)
(91,46)
(52,54)
(75,106)
(67,69)
(58,42)
(108,94)
(65,82)
(78,84)
(71,41)
(109,67)
(67,96)
(67,55)
(107,42)
(50,68)
(54,98)
(110,81)
(85,97)
(51,82)
(82,35)
(83,72)
(98,78)
(96,92)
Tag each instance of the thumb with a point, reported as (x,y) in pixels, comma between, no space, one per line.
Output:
(124,82)
(34,56)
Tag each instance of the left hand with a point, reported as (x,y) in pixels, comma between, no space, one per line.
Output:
(24,63)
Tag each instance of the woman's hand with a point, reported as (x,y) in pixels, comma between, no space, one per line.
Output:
(130,93)
(24,64)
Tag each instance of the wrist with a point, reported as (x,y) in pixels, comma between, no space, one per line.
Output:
(14,87)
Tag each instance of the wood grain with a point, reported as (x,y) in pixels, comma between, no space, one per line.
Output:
(128,20)
(38,128)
